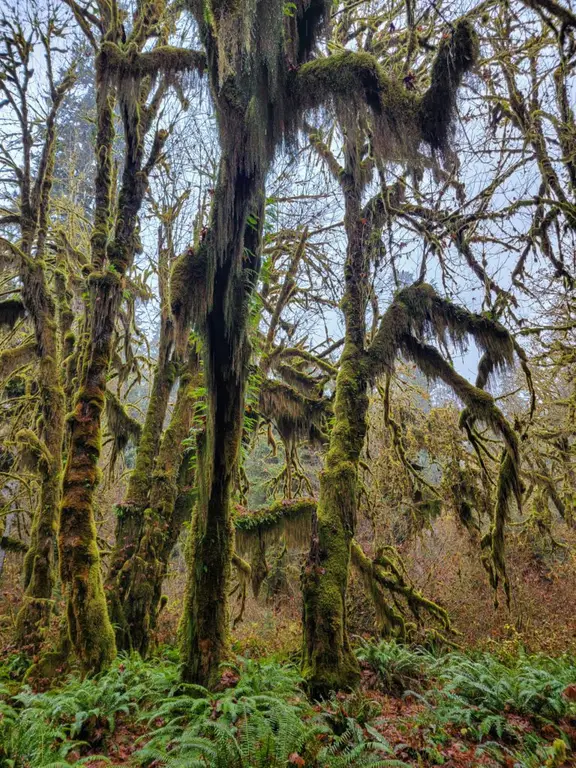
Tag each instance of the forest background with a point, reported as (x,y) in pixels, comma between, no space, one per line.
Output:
(286,331)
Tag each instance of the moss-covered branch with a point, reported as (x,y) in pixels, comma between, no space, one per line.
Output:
(385,573)
(292,519)
(163,59)
(15,358)
(401,119)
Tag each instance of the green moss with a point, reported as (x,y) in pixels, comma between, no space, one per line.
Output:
(146,537)
(328,662)
(11,310)
(289,519)
(121,426)
(354,80)
(272,516)
(190,291)
(456,56)
(11,360)
(130,63)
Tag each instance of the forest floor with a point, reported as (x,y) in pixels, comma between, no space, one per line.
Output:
(414,708)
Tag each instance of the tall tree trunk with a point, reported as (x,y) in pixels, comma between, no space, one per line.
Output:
(250,82)
(89,626)
(234,244)
(144,572)
(46,444)
(113,253)
(131,513)
(328,661)
(39,574)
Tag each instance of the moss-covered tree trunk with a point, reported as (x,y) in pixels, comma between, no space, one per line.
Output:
(252,82)
(328,661)
(204,628)
(88,622)
(39,570)
(161,523)
(131,513)
(114,244)
(46,441)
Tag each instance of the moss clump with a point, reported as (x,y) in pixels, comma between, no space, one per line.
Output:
(11,310)
(456,56)
(290,519)
(190,292)
(122,427)
(294,413)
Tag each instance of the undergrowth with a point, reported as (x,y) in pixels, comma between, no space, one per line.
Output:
(417,708)
(511,706)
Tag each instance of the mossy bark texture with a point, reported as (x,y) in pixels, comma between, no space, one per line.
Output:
(139,581)
(131,514)
(328,660)
(204,629)
(47,440)
(400,124)
(250,49)
(114,244)
(39,570)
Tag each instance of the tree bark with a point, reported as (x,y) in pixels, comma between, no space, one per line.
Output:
(328,661)
(142,575)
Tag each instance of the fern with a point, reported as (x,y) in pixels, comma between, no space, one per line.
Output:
(398,666)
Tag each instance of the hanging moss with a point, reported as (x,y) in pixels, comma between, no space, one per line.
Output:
(121,426)
(190,292)
(456,56)
(311,20)
(401,120)
(262,85)
(305,382)
(289,519)
(11,310)
(353,80)
(293,412)
(258,568)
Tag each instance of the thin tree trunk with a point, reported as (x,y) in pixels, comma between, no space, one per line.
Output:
(131,513)
(146,570)
(328,660)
